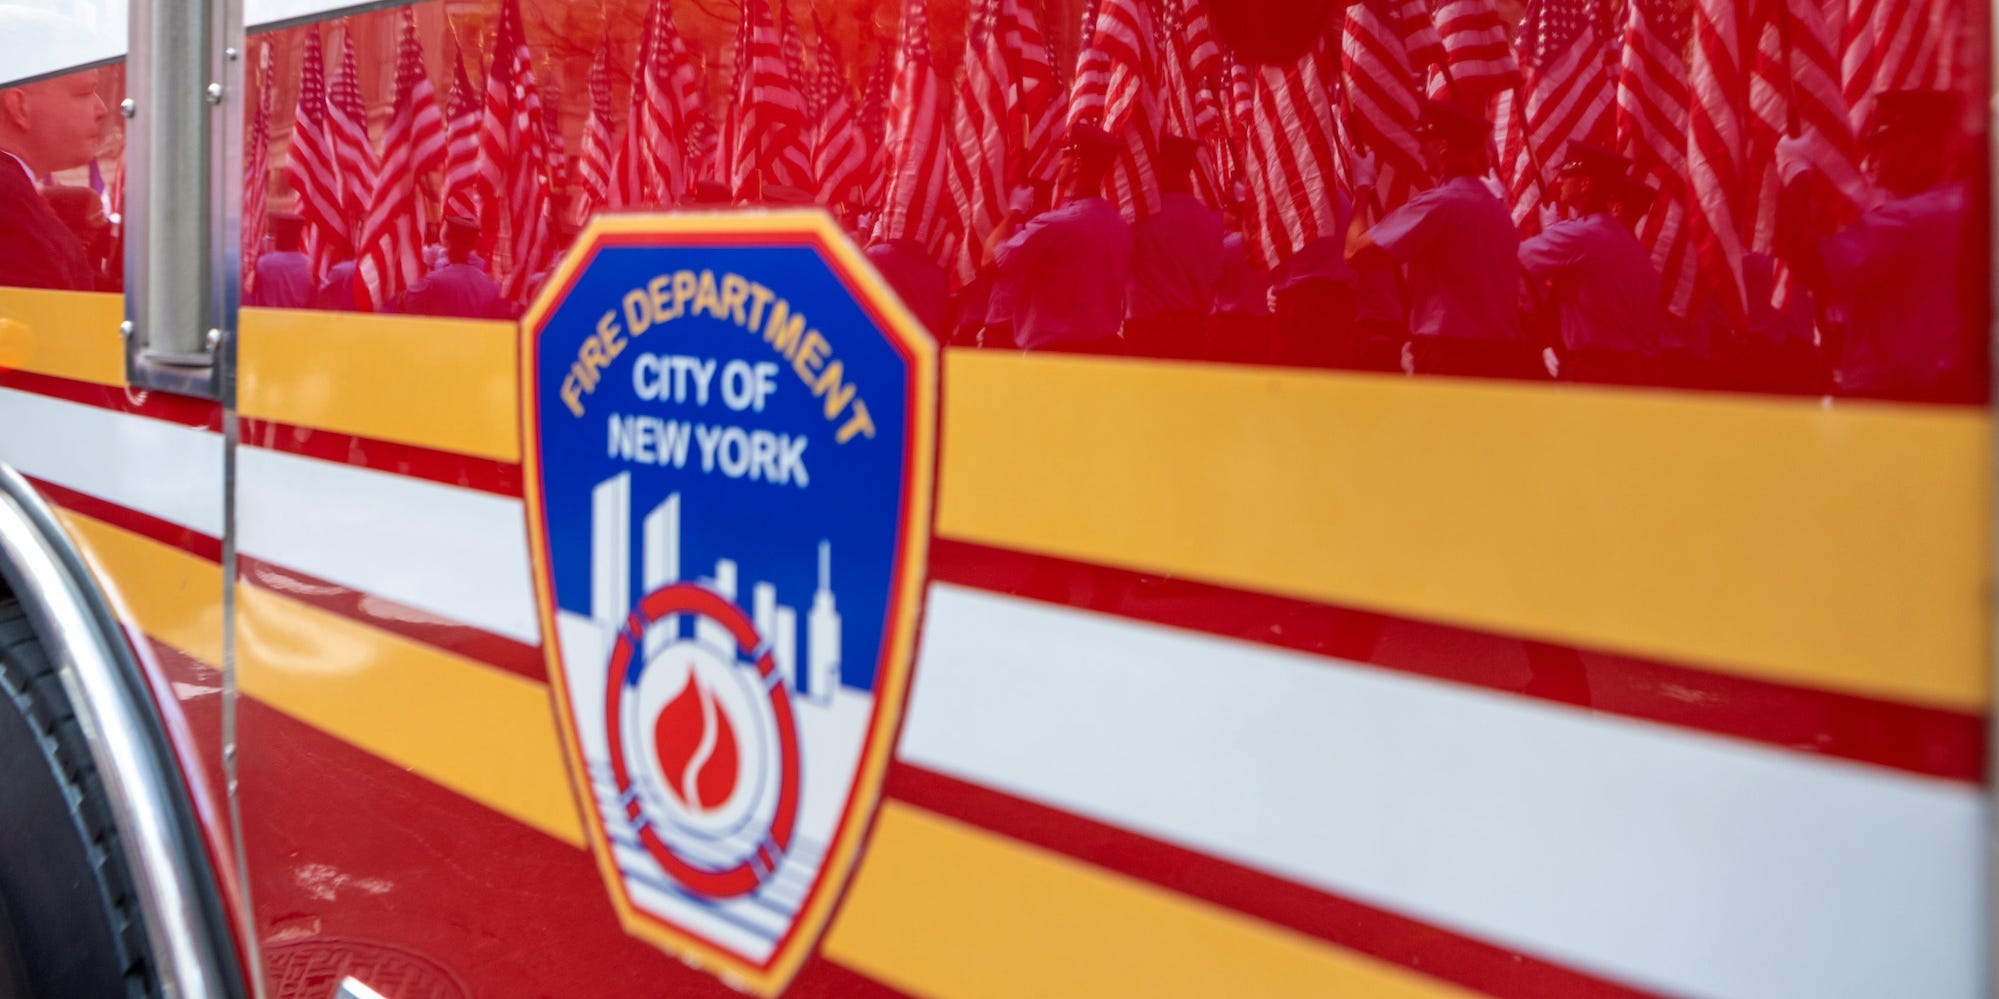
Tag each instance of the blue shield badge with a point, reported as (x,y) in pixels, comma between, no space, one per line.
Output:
(729,435)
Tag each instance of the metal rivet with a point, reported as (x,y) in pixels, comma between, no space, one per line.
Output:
(230,53)
(215,93)
(214,339)
(125,329)
(128,107)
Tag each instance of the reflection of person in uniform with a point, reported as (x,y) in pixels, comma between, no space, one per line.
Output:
(1176,260)
(1456,246)
(284,275)
(1898,272)
(1596,275)
(1066,269)
(916,278)
(82,211)
(44,127)
(1241,323)
(459,288)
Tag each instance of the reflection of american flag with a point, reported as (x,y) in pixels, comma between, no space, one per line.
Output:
(513,152)
(391,255)
(913,201)
(874,126)
(792,161)
(1794,86)
(766,115)
(1379,77)
(309,162)
(593,173)
(461,161)
(1124,82)
(652,163)
(839,152)
(1717,167)
(1289,157)
(347,127)
(978,151)
(1477,54)
(1566,96)
(1190,70)
(256,172)
(1652,130)
(1898,45)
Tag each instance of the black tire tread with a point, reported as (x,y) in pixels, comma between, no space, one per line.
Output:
(29,679)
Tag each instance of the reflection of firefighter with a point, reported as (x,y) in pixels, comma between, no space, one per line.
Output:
(459,288)
(1596,276)
(1064,272)
(44,127)
(1896,274)
(1456,246)
(284,275)
(1176,259)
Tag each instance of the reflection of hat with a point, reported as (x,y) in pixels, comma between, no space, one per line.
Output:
(1912,114)
(461,225)
(1177,154)
(785,194)
(1085,138)
(1593,161)
(1453,121)
(712,192)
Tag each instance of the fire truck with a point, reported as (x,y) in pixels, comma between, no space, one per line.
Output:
(995,497)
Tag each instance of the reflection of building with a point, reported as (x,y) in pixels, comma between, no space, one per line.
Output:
(611,598)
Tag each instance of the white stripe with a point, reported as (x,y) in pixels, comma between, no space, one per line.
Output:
(169,471)
(453,552)
(1675,860)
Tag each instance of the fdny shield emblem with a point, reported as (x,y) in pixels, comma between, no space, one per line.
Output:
(729,438)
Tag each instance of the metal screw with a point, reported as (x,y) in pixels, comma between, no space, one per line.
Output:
(230,53)
(125,330)
(215,93)
(214,339)
(128,107)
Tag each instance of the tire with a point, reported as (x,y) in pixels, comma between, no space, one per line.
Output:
(69,919)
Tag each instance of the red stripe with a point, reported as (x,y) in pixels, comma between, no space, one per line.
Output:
(166,532)
(455,637)
(1340,921)
(501,478)
(166,407)
(1923,740)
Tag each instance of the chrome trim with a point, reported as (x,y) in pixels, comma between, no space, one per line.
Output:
(181,203)
(178,905)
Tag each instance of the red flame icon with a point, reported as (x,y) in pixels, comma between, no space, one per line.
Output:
(697,747)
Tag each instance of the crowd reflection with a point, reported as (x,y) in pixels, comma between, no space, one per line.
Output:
(1112,177)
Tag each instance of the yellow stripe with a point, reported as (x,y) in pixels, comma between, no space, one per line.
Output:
(438,383)
(169,594)
(483,733)
(942,908)
(68,334)
(1842,547)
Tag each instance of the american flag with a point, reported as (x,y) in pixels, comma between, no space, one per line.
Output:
(1289,157)
(652,164)
(558,148)
(347,127)
(513,154)
(391,255)
(594,172)
(256,172)
(839,150)
(1898,45)
(766,115)
(1190,73)
(1378,78)
(1043,102)
(1122,89)
(461,160)
(310,164)
(1566,96)
(1717,149)
(914,202)
(874,126)
(1652,102)
(977,167)
(1478,58)
(793,159)
(1794,89)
